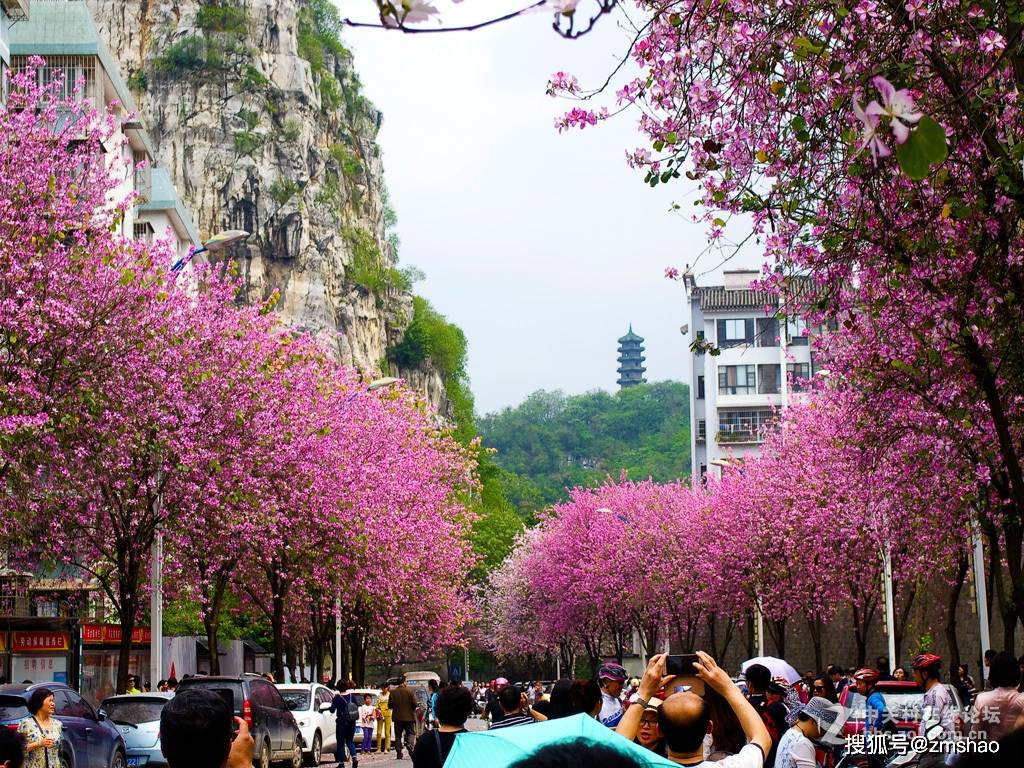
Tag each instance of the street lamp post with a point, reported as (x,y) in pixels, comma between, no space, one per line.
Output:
(218,242)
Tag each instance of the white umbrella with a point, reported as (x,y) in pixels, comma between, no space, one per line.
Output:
(778,667)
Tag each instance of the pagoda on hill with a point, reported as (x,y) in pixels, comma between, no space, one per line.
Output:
(631,360)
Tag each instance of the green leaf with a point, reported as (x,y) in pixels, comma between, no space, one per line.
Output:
(659,145)
(127,277)
(719,222)
(926,146)
(670,137)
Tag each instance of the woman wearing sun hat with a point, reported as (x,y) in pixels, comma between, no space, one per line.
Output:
(797,745)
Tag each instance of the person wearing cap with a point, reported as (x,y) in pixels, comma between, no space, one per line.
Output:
(875,714)
(649,735)
(611,676)
(936,704)
(796,748)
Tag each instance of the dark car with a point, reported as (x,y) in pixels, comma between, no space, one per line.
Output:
(259,703)
(90,739)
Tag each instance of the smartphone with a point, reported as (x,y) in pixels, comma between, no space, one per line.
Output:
(229,698)
(681,664)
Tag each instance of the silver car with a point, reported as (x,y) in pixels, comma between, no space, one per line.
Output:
(137,717)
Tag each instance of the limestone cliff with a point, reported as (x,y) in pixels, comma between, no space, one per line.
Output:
(256,112)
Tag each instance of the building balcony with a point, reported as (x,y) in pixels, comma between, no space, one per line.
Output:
(17,10)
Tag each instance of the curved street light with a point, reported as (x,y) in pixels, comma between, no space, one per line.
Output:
(218,242)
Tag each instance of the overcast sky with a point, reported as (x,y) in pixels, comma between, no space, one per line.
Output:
(542,247)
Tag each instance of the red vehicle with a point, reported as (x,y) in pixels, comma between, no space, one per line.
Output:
(903,704)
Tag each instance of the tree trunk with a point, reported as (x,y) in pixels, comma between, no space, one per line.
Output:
(952,600)
(128,608)
(777,632)
(718,651)
(814,627)
(902,619)
(277,633)
(211,622)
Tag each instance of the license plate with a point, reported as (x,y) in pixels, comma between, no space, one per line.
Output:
(136,761)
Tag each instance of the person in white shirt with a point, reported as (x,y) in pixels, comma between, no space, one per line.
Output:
(796,747)
(367,719)
(611,676)
(685,717)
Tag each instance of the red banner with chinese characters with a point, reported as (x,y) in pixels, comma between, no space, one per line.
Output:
(35,642)
(110,634)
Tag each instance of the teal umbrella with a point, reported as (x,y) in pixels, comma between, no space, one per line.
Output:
(504,746)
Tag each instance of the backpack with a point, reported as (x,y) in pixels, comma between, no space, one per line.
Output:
(353,710)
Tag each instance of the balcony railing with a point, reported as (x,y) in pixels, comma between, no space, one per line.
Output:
(21,606)
(738,436)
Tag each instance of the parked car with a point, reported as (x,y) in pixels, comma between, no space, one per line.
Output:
(309,703)
(903,702)
(259,703)
(90,739)
(137,717)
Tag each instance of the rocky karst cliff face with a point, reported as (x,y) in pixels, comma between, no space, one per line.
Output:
(256,112)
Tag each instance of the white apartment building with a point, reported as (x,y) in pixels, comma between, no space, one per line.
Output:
(762,366)
(63,33)
(11,12)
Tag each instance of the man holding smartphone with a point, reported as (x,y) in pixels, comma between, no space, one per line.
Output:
(685,717)
(195,732)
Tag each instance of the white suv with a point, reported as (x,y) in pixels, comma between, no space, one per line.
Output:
(309,703)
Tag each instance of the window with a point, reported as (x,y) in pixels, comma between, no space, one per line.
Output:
(743,426)
(799,374)
(70,704)
(700,387)
(702,429)
(143,175)
(734,333)
(703,471)
(796,332)
(143,230)
(768,379)
(736,380)
(767,332)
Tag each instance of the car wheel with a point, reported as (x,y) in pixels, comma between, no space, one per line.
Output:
(118,760)
(263,758)
(65,760)
(296,761)
(316,749)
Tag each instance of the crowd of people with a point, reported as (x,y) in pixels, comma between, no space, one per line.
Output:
(703,719)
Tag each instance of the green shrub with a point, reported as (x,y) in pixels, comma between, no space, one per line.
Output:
(347,160)
(330,94)
(282,190)
(319,34)
(431,337)
(185,55)
(253,79)
(250,118)
(138,81)
(368,267)
(291,130)
(330,190)
(223,18)
(247,142)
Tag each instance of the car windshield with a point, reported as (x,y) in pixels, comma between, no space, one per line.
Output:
(134,711)
(230,690)
(902,707)
(296,700)
(12,708)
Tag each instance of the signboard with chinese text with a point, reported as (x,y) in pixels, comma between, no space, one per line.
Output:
(39,642)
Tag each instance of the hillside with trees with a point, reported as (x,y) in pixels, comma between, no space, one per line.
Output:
(553,441)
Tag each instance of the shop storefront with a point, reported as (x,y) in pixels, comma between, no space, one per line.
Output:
(39,655)
(100,650)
